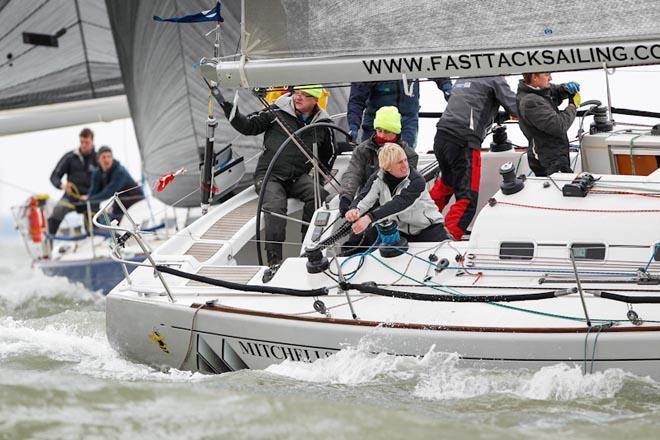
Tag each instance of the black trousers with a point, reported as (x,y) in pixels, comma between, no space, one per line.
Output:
(275,200)
(460,166)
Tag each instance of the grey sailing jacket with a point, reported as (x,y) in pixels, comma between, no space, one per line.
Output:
(292,163)
(545,126)
(410,205)
(473,107)
(364,163)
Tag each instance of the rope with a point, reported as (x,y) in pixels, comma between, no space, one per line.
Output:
(593,352)
(441,288)
(632,159)
(625,193)
(242,287)
(190,338)
(372,288)
(548,208)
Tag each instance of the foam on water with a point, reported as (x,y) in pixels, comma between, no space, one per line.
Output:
(440,376)
(78,339)
(27,292)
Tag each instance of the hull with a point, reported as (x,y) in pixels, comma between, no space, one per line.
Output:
(101,274)
(226,339)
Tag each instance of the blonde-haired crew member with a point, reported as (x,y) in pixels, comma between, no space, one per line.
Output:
(401,193)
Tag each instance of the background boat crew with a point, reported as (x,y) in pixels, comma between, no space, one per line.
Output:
(401,193)
(462,128)
(543,124)
(109,178)
(77,165)
(290,176)
(367,97)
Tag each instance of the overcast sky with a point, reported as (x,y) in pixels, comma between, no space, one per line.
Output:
(28,159)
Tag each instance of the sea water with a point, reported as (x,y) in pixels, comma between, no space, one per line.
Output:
(59,378)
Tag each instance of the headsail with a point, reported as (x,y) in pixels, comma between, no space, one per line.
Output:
(288,41)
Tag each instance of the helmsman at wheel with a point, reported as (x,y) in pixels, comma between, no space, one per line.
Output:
(289,176)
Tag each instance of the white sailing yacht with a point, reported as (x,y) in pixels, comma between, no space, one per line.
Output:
(556,269)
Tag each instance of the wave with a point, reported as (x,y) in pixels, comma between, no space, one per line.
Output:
(77,338)
(29,293)
(440,376)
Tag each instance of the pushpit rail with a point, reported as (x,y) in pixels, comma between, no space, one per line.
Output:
(121,235)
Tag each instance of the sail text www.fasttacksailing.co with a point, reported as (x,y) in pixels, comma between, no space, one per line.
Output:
(529,60)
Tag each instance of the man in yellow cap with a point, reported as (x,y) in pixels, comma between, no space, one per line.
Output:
(364,161)
(289,178)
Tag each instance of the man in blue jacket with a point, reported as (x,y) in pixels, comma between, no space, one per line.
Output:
(110,178)
(367,97)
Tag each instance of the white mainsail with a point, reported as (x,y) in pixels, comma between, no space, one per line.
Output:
(341,41)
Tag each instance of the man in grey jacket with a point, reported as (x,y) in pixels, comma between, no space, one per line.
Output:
(462,128)
(543,124)
(289,178)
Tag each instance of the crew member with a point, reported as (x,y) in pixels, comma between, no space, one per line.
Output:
(289,178)
(111,177)
(401,193)
(462,128)
(367,97)
(543,124)
(77,165)
(364,160)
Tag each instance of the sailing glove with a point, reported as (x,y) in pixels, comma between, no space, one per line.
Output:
(575,99)
(220,99)
(344,205)
(354,133)
(571,87)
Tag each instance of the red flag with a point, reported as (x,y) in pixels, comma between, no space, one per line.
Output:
(165,179)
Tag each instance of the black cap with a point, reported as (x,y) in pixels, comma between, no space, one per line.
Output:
(104,149)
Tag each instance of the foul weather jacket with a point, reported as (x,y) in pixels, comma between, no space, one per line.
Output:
(545,126)
(364,163)
(292,163)
(473,107)
(367,97)
(409,204)
(78,170)
(106,183)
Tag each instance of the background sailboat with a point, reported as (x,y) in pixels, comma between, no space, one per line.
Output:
(58,66)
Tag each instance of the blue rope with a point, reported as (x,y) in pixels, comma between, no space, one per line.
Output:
(655,249)
(362,255)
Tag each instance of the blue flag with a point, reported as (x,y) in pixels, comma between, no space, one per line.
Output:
(210,15)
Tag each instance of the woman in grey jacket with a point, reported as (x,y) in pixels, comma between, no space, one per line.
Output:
(402,197)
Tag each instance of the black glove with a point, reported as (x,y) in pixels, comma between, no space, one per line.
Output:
(220,99)
(344,205)
(501,117)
